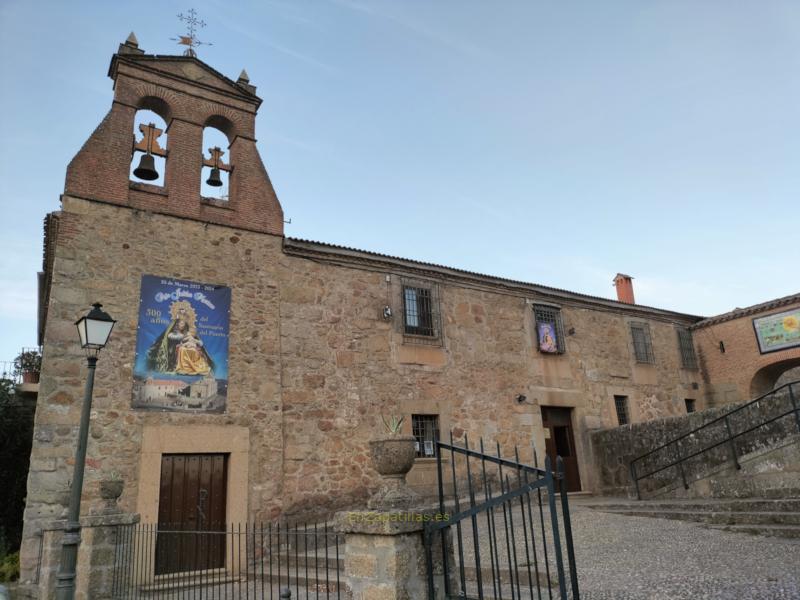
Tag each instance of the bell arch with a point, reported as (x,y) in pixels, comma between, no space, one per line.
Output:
(157,105)
(149,155)
(216,167)
(766,377)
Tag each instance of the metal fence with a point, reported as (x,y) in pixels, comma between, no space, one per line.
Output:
(724,439)
(8,372)
(258,561)
(510,527)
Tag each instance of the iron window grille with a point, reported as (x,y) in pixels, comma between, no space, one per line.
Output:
(686,347)
(421,323)
(621,404)
(549,315)
(642,343)
(690,405)
(426,431)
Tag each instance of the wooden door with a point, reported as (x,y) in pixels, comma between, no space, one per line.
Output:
(191,512)
(560,441)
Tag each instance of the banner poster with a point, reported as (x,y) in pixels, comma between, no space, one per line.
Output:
(778,331)
(548,338)
(181,346)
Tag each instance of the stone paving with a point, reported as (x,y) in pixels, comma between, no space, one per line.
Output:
(632,558)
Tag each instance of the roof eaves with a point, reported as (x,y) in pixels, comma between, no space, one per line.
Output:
(748,310)
(349,252)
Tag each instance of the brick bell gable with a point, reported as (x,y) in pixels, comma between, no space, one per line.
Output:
(189,95)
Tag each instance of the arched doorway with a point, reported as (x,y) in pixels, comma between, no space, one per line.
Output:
(768,377)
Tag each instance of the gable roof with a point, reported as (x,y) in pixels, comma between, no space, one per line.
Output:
(187,68)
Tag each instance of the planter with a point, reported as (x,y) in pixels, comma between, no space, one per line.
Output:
(393,456)
(30,377)
(110,491)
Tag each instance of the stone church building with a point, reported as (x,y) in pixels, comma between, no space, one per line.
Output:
(261,365)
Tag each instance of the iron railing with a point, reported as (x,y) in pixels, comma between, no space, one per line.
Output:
(9,372)
(258,561)
(719,433)
(497,511)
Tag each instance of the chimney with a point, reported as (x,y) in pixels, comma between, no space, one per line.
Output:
(624,285)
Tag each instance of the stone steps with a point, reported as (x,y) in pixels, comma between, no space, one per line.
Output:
(738,505)
(785,531)
(725,517)
(779,517)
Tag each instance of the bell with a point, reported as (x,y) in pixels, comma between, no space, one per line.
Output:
(147,168)
(214,179)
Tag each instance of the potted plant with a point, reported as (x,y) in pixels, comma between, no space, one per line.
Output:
(393,456)
(111,489)
(28,364)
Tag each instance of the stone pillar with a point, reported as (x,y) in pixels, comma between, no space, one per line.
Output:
(384,557)
(99,537)
(101,534)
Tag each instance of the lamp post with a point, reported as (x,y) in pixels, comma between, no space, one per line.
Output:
(94,330)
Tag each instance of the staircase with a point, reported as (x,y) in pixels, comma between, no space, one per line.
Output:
(749,450)
(778,517)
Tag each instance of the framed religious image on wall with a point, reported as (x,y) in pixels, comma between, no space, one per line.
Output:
(779,331)
(548,337)
(181,359)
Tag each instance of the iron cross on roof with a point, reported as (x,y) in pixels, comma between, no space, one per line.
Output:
(190,40)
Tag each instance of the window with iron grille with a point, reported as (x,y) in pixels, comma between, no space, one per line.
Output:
(690,405)
(549,329)
(685,345)
(621,404)
(426,431)
(642,343)
(420,313)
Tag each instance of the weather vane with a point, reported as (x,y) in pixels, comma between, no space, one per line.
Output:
(192,23)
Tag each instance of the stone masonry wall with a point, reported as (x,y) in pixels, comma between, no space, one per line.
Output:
(614,449)
(314,365)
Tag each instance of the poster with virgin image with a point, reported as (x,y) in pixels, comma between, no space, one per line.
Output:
(181,346)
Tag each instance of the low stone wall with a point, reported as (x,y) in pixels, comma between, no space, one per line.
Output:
(613,449)
(99,537)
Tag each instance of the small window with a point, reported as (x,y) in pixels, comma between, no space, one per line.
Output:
(621,404)
(690,405)
(549,329)
(426,431)
(642,343)
(686,347)
(420,313)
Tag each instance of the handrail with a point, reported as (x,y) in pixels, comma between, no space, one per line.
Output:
(728,439)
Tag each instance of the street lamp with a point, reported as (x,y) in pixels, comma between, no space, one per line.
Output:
(94,330)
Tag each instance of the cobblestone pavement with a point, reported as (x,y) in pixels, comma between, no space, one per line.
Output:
(633,558)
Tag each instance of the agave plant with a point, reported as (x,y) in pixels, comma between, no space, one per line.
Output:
(393,425)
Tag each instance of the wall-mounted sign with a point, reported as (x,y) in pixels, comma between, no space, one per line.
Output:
(548,338)
(778,331)
(181,346)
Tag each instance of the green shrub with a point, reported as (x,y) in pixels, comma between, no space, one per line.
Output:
(9,567)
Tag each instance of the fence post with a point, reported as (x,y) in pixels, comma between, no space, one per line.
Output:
(573,573)
(387,556)
(794,405)
(551,498)
(731,443)
(635,479)
(680,462)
